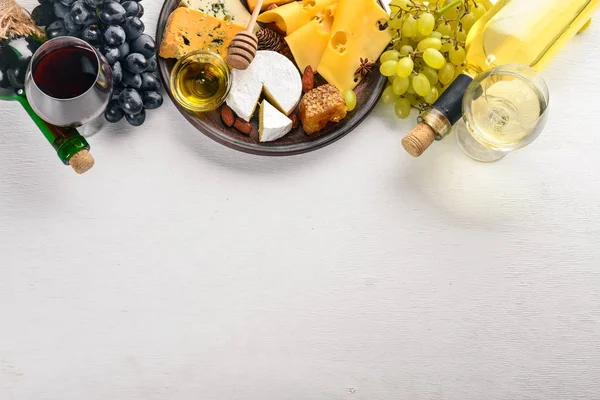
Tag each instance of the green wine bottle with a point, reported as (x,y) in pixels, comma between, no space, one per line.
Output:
(70,146)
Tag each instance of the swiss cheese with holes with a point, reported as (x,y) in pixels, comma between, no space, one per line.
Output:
(292,16)
(359,30)
(308,43)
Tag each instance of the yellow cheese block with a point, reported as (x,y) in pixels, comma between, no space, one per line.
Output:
(309,42)
(292,16)
(267,3)
(356,33)
(189,30)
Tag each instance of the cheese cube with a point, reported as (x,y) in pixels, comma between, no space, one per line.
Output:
(356,33)
(189,30)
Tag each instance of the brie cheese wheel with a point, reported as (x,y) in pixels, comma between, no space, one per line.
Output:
(272,73)
(246,87)
(227,10)
(272,124)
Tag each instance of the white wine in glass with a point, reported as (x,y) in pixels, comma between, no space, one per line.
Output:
(504,109)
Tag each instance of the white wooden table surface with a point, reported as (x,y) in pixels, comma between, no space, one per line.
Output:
(180,269)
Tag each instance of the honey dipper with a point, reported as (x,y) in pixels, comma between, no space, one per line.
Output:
(243,47)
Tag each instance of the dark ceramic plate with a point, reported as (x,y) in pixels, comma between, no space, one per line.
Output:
(295,142)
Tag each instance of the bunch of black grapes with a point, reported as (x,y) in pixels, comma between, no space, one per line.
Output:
(116,30)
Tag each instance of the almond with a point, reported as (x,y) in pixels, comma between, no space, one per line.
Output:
(295,121)
(227,116)
(242,126)
(308,80)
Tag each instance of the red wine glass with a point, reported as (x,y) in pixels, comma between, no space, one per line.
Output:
(68,82)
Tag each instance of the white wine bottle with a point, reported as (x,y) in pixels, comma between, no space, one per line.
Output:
(529,32)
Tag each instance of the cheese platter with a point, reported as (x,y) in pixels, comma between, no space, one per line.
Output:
(311,82)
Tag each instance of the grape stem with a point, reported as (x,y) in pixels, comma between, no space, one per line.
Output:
(447,7)
(418,7)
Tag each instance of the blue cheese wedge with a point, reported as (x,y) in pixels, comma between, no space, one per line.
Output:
(271,73)
(272,123)
(189,30)
(227,10)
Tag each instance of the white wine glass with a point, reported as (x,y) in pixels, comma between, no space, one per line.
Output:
(504,109)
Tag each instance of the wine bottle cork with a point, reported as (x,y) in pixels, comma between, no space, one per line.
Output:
(419,139)
(82,162)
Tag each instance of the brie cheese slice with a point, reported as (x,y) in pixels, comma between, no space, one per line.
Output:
(272,124)
(246,87)
(272,73)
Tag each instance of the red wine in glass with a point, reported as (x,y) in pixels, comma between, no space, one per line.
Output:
(68,83)
(66,73)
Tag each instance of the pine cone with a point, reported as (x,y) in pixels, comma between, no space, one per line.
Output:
(268,39)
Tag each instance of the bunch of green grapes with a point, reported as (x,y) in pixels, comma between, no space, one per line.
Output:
(428,49)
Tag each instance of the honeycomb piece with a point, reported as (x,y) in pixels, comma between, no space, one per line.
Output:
(320,106)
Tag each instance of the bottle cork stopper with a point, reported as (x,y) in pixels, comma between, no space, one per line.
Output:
(418,140)
(82,162)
